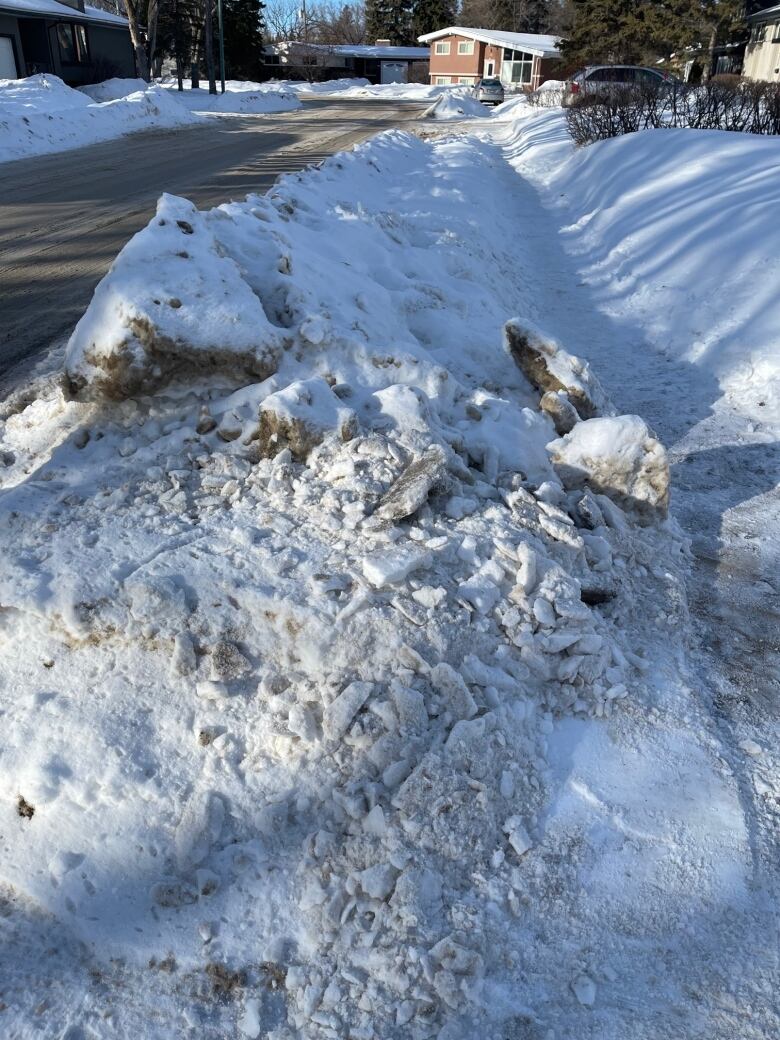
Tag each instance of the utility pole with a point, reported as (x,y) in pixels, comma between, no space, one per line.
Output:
(221,26)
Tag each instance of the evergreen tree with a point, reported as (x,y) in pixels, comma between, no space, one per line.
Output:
(621,31)
(389,20)
(430,15)
(707,23)
(243,25)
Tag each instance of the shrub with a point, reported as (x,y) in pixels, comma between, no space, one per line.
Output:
(546,98)
(725,103)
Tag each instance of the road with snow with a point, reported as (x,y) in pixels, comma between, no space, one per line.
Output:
(64,217)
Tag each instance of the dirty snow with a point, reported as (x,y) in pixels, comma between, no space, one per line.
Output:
(286,758)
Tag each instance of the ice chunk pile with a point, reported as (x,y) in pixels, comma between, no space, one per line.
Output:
(294,642)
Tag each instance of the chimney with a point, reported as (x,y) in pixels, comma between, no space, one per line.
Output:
(382,43)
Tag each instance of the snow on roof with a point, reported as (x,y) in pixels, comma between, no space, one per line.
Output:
(52,9)
(531,43)
(360,50)
(767,13)
(372,51)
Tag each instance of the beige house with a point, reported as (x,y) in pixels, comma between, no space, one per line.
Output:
(762,56)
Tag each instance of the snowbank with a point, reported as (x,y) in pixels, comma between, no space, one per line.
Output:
(240,97)
(401,91)
(459,106)
(512,108)
(662,221)
(333,86)
(113,89)
(295,727)
(41,114)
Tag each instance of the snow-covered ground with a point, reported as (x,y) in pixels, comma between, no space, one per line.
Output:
(333,705)
(40,114)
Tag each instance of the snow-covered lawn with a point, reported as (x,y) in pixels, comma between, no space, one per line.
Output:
(335,705)
(40,114)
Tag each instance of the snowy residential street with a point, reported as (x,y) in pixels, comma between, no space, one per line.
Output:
(390,585)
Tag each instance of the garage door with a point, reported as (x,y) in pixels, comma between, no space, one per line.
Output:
(7,59)
(394,72)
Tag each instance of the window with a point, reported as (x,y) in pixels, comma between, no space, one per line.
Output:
(465,79)
(442,48)
(72,40)
(518,66)
(774,33)
(441,81)
(465,47)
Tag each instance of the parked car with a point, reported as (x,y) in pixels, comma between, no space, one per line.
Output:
(601,78)
(488,91)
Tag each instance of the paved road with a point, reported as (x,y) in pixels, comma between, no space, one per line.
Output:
(63,218)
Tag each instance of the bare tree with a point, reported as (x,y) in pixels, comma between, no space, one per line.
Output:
(334,23)
(135,17)
(283,21)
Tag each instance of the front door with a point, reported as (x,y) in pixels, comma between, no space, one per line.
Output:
(490,69)
(7,59)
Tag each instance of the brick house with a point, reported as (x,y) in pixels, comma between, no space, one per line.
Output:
(522,61)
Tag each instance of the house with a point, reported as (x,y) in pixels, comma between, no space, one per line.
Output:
(762,56)
(378,63)
(522,61)
(78,43)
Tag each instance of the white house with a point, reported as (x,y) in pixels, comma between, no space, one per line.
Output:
(762,56)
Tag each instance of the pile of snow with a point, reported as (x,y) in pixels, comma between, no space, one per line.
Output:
(113,89)
(512,108)
(332,86)
(458,106)
(402,91)
(41,114)
(287,659)
(240,97)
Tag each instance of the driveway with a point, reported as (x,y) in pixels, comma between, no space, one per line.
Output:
(64,217)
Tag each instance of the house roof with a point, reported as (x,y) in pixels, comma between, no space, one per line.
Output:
(361,50)
(52,9)
(531,43)
(768,14)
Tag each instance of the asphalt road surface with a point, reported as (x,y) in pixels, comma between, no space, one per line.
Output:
(64,217)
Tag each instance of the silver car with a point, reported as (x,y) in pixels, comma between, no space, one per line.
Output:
(605,78)
(488,91)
